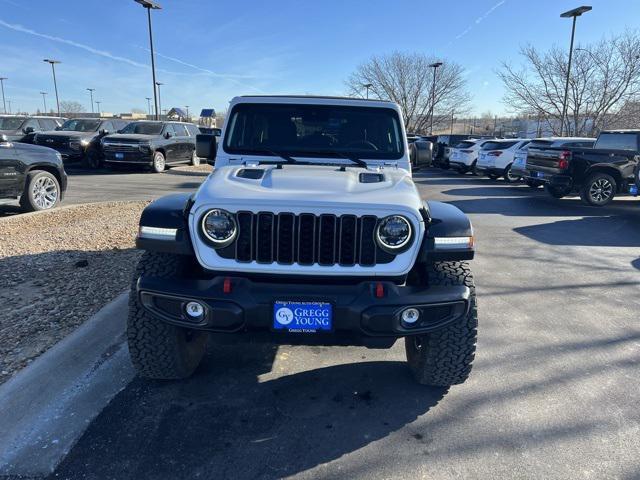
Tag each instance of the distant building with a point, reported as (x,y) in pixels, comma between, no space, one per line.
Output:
(207,118)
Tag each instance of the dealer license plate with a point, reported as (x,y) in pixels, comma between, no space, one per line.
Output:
(539,174)
(119,156)
(303,317)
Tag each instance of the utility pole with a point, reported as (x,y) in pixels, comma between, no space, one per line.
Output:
(55,84)
(451,131)
(150,5)
(159,84)
(4,103)
(91,90)
(149,104)
(433,92)
(187,107)
(44,101)
(367,86)
(99,112)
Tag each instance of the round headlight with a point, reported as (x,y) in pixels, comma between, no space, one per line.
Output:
(219,226)
(393,233)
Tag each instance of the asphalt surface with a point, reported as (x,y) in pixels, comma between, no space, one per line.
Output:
(554,392)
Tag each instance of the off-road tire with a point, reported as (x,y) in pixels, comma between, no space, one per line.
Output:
(29,200)
(159,350)
(91,159)
(445,357)
(159,162)
(588,191)
(557,192)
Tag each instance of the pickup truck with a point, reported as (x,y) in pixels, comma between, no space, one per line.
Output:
(597,173)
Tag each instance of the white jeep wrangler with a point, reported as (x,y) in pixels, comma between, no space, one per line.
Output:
(310,230)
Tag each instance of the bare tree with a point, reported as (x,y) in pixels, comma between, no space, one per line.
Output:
(604,78)
(70,106)
(407,79)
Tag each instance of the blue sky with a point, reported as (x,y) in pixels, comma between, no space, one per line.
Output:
(211,50)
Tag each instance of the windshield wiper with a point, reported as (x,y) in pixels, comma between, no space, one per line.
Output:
(354,158)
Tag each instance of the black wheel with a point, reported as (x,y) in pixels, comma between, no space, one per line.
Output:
(159,350)
(493,176)
(510,177)
(473,169)
(92,159)
(41,191)
(195,159)
(598,190)
(445,357)
(533,184)
(557,192)
(159,162)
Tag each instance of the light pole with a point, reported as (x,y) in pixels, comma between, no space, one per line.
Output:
(44,101)
(187,107)
(433,92)
(367,86)
(4,103)
(575,13)
(159,84)
(55,84)
(149,104)
(98,104)
(91,90)
(9,102)
(150,5)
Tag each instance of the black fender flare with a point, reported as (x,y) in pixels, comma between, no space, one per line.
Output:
(444,220)
(169,212)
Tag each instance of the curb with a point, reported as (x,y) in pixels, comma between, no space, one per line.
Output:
(46,407)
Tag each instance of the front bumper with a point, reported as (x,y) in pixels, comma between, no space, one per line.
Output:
(358,313)
(487,170)
(142,158)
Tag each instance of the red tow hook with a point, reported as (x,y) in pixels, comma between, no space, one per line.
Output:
(379,290)
(226,285)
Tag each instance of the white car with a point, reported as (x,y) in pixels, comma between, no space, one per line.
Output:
(464,155)
(497,156)
(309,230)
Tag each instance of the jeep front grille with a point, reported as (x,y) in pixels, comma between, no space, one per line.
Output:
(306,239)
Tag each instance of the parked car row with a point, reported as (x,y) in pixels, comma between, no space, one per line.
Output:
(596,169)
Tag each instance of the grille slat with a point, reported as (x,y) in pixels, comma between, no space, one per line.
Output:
(120,147)
(306,239)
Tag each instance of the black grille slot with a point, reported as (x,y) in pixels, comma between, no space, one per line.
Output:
(244,244)
(306,239)
(327,242)
(367,240)
(264,240)
(285,237)
(347,249)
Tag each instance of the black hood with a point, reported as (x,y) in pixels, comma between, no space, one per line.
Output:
(59,134)
(28,148)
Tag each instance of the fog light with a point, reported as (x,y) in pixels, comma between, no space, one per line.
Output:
(410,316)
(194,309)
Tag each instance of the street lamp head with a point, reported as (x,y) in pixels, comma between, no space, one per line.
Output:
(149,4)
(436,64)
(367,85)
(91,89)
(576,12)
(4,78)
(159,83)
(51,61)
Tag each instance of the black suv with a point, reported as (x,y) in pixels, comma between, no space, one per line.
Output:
(23,129)
(31,173)
(78,139)
(153,144)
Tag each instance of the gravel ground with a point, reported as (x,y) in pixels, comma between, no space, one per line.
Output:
(57,269)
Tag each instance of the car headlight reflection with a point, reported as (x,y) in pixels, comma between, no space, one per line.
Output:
(219,227)
(394,233)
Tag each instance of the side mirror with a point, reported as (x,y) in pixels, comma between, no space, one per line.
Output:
(206,147)
(4,138)
(168,135)
(28,130)
(104,131)
(58,128)
(118,131)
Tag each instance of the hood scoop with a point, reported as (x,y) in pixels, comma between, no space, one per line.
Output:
(251,173)
(369,177)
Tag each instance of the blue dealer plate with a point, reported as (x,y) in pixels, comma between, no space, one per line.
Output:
(304,317)
(119,156)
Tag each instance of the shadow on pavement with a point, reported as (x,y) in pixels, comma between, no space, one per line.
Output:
(225,422)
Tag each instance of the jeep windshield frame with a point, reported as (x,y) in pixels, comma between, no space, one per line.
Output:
(340,132)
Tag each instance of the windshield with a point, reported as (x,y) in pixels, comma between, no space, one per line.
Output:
(80,125)
(465,144)
(315,130)
(618,141)
(143,128)
(7,123)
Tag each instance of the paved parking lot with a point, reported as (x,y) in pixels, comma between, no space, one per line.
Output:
(554,392)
